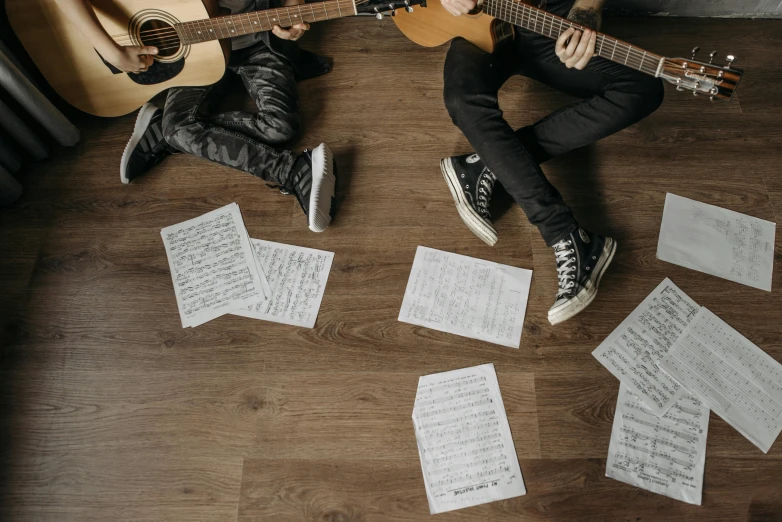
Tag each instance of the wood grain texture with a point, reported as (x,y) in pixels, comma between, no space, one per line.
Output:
(109,410)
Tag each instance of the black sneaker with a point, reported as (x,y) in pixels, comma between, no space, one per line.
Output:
(146,147)
(314,181)
(582,259)
(471,185)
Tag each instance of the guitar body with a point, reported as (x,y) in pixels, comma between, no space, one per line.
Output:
(434,26)
(78,73)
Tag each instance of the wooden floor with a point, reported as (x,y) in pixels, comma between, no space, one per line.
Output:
(111,411)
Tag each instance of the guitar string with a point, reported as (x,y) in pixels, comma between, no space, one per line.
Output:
(188,41)
(186,31)
(548,25)
(333,4)
(547,22)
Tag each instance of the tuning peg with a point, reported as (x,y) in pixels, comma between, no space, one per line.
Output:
(378,14)
(392,9)
(408,7)
(694,51)
(730,59)
(711,56)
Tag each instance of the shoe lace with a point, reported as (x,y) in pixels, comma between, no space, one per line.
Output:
(485,188)
(566,264)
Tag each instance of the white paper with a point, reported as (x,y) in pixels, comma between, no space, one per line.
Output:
(631,352)
(466,296)
(732,376)
(212,265)
(663,455)
(464,441)
(297,277)
(717,241)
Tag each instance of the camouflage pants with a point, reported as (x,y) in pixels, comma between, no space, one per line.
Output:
(238,139)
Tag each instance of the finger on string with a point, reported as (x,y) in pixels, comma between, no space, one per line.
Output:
(589,52)
(571,47)
(583,43)
(563,39)
(465,6)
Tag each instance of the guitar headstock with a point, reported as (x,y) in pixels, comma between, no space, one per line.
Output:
(717,81)
(379,8)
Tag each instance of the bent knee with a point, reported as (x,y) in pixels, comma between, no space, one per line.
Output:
(643,99)
(280,129)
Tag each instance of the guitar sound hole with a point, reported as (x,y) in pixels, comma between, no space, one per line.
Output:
(160,34)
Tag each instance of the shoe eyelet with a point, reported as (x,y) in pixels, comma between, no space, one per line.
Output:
(588,268)
(462,175)
(594,257)
(467,186)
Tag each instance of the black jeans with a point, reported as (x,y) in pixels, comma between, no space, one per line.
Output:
(243,140)
(612,97)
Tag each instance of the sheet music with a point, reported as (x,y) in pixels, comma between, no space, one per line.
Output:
(297,277)
(717,241)
(732,376)
(466,296)
(212,265)
(464,441)
(663,455)
(631,352)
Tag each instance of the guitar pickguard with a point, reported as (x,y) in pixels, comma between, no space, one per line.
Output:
(158,72)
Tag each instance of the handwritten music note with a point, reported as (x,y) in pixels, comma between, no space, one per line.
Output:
(663,455)
(717,241)
(464,440)
(731,375)
(634,348)
(466,296)
(297,277)
(212,265)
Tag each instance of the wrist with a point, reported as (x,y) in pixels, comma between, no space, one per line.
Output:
(109,50)
(589,17)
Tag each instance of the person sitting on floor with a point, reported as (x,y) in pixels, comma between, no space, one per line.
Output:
(268,65)
(612,97)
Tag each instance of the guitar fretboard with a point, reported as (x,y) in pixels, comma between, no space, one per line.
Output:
(257,21)
(552,26)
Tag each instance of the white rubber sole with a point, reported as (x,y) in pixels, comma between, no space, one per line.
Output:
(324,184)
(587,294)
(142,122)
(471,218)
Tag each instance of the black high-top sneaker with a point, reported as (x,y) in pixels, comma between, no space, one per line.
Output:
(146,147)
(471,185)
(313,180)
(582,259)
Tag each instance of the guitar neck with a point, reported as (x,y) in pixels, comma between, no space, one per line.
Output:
(552,26)
(257,21)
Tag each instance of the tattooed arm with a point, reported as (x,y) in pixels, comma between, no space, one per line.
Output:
(573,48)
(588,13)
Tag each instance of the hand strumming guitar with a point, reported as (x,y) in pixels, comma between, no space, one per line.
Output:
(294,32)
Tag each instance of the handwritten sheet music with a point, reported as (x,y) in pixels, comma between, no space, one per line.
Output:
(731,375)
(662,455)
(464,441)
(717,241)
(212,265)
(466,296)
(297,277)
(632,351)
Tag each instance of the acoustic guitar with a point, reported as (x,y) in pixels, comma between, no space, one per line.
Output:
(491,23)
(187,37)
